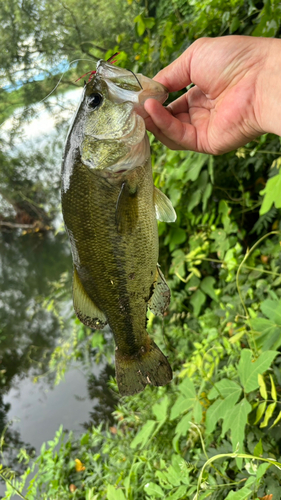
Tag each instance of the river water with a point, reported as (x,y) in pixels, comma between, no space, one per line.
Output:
(32,412)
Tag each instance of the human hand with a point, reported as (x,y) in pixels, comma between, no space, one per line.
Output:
(237,86)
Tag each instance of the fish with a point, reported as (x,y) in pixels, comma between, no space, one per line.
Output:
(110,208)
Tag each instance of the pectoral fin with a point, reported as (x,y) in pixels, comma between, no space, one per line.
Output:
(88,313)
(160,297)
(163,207)
(127,209)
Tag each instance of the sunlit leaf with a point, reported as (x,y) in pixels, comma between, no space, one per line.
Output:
(249,369)
(160,409)
(258,450)
(262,470)
(263,391)
(225,388)
(271,194)
(219,409)
(260,411)
(272,309)
(236,420)
(184,424)
(242,494)
(278,418)
(178,494)
(268,414)
(144,434)
(152,489)
(115,493)
(269,333)
(273,389)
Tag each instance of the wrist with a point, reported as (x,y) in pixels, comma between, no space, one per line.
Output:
(268,90)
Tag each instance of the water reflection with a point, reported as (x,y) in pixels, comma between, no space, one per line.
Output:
(106,399)
(28,335)
(27,265)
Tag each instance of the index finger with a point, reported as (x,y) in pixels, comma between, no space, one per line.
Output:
(182,134)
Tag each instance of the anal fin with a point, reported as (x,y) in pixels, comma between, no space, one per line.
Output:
(160,297)
(88,313)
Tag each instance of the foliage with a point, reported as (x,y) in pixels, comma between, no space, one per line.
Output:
(35,60)
(191,441)
(214,432)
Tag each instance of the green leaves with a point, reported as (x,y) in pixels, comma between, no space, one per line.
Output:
(207,285)
(199,297)
(269,20)
(175,237)
(150,427)
(271,193)
(160,410)
(186,400)
(197,300)
(268,330)
(193,166)
(171,479)
(263,409)
(249,369)
(272,309)
(114,494)
(234,415)
(143,22)
(229,393)
(144,434)
(236,420)
(152,489)
(239,495)
(221,386)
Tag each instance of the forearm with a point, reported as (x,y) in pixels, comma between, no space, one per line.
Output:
(268,90)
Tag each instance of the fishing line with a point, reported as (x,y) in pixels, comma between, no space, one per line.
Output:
(69,64)
(91,73)
(135,78)
(15,115)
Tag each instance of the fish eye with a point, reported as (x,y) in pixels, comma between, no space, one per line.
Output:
(94,100)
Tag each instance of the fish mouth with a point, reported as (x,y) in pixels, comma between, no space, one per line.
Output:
(126,86)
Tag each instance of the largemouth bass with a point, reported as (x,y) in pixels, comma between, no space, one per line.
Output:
(110,207)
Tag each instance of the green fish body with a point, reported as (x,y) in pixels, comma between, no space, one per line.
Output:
(110,207)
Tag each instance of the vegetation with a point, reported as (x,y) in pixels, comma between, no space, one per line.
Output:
(215,431)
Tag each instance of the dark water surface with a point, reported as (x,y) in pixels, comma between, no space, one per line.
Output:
(28,335)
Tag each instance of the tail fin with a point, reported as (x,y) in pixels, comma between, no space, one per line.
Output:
(147,366)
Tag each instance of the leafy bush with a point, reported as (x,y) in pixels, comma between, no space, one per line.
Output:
(214,432)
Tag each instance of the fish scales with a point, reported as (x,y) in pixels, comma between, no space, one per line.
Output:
(111,265)
(110,216)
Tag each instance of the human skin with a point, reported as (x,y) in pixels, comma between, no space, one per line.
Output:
(236,95)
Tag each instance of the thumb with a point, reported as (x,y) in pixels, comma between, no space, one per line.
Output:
(176,76)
